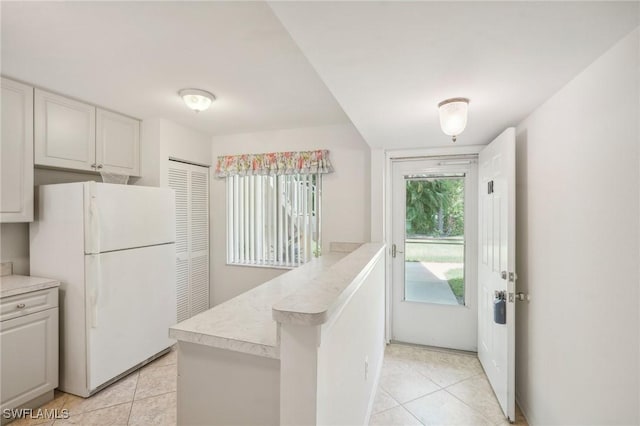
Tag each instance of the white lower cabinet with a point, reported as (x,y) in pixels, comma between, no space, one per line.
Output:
(29,347)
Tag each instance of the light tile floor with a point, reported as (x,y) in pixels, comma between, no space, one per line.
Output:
(426,386)
(145,397)
(417,386)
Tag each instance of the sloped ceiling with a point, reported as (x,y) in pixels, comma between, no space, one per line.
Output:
(133,57)
(296,64)
(389,63)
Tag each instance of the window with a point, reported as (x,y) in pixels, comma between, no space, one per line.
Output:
(434,238)
(273,220)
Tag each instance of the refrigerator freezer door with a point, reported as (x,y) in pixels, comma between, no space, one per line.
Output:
(120,217)
(131,303)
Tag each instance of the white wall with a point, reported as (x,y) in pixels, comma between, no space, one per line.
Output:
(329,371)
(578,247)
(14,246)
(345,395)
(345,196)
(378,160)
(163,139)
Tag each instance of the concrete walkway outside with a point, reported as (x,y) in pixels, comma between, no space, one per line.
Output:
(426,282)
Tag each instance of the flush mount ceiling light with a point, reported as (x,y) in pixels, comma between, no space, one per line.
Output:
(196,99)
(453,116)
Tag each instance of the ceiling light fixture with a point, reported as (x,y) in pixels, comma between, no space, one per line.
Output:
(453,116)
(196,99)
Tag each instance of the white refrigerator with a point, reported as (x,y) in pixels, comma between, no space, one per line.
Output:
(113,249)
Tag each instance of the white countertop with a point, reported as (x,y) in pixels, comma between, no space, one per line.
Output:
(314,303)
(11,285)
(245,323)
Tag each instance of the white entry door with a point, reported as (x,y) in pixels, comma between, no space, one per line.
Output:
(434,243)
(496,266)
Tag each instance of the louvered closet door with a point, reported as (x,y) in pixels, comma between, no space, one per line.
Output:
(191,184)
(199,239)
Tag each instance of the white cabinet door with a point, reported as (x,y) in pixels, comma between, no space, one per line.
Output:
(117,143)
(29,357)
(65,132)
(16,153)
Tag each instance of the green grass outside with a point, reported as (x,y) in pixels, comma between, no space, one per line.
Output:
(439,253)
(455,277)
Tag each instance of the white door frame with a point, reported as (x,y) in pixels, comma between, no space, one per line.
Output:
(462,336)
(391,155)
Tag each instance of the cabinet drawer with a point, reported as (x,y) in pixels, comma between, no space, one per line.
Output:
(28,303)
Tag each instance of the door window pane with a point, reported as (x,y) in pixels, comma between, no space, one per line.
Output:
(434,240)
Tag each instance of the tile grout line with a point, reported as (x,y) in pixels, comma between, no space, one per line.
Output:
(154,396)
(460,381)
(414,399)
(127,402)
(393,408)
(150,366)
(134,398)
(380,387)
(404,366)
(97,409)
(469,378)
(480,413)
(429,378)
(65,395)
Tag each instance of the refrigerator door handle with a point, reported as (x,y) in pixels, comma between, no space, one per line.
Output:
(92,236)
(93,269)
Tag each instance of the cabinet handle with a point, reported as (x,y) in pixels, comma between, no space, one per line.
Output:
(94,165)
(20,305)
(99,166)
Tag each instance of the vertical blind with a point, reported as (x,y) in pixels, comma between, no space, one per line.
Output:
(273,220)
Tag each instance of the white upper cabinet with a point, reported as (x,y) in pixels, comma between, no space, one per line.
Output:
(117,143)
(16,152)
(74,135)
(65,132)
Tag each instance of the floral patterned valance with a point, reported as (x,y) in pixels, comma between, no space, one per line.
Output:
(274,163)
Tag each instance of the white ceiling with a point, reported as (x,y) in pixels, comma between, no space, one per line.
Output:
(389,63)
(133,57)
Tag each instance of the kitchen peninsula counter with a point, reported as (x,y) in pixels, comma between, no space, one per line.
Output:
(245,323)
(267,349)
